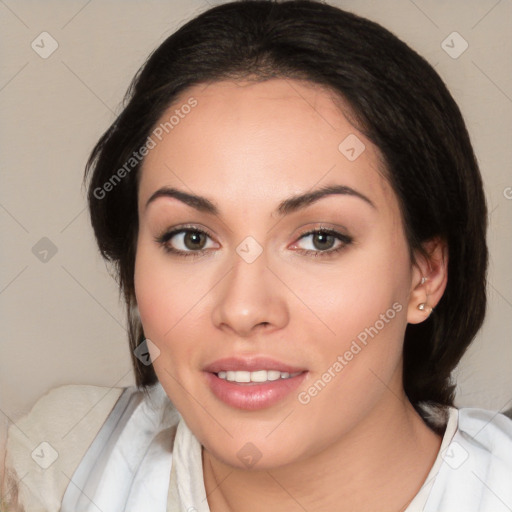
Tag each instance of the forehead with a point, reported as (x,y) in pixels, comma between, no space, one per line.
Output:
(262,140)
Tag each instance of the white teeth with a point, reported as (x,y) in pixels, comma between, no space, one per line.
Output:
(259,376)
(239,376)
(256,376)
(273,374)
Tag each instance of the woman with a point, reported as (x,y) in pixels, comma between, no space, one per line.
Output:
(292,204)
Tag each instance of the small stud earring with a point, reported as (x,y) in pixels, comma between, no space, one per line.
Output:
(423,307)
(424,280)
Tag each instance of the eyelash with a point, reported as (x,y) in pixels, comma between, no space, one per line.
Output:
(165,237)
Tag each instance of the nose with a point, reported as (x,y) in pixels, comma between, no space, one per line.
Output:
(249,299)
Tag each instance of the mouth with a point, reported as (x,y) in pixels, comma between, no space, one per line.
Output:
(258,376)
(252,383)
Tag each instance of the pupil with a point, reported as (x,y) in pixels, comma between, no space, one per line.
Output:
(323,241)
(194,240)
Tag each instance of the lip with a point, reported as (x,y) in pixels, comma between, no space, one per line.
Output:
(252,396)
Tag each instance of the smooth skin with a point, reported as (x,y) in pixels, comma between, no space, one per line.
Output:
(358,444)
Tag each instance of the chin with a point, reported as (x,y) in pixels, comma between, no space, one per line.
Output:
(255,452)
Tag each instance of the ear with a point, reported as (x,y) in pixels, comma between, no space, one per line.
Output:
(429,278)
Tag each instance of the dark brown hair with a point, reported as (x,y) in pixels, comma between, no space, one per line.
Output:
(400,103)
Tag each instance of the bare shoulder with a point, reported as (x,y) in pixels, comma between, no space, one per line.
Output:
(45,446)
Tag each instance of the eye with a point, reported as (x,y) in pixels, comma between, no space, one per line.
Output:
(192,241)
(322,242)
(186,241)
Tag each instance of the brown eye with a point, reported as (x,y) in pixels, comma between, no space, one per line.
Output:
(194,240)
(186,242)
(323,241)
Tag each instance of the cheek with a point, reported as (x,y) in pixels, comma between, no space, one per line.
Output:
(366,316)
(172,306)
(157,288)
(158,285)
(152,293)
(359,364)
(351,297)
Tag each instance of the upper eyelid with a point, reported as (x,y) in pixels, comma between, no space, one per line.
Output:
(180,229)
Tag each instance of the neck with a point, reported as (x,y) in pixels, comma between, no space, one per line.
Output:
(379,465)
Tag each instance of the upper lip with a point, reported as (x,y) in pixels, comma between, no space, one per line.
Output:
(250,364)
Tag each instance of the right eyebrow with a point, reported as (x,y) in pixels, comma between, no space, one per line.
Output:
(199,203)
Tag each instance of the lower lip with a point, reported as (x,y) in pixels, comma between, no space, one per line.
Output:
(253,396)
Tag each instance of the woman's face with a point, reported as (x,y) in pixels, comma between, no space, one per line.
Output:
(236,273)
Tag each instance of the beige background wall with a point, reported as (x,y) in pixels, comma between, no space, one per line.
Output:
(61,319)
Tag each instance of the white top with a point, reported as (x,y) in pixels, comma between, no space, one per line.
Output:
(116,448)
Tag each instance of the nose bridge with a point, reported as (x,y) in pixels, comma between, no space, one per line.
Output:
(250,295)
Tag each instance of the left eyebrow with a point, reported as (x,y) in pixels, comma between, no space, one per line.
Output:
(301,201)
(286,207)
